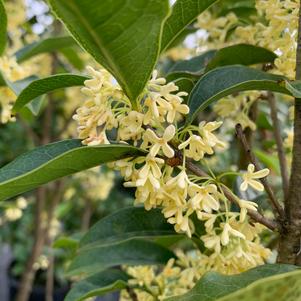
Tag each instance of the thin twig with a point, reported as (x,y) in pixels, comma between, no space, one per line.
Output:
(132,294)
(275,204)
(256,216)
(279,143)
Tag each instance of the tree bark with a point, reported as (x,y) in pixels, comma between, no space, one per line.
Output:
(289,244)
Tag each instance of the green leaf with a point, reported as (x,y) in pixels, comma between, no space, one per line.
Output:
(269,160)
(97,285)
(242,54)
(56,160)
(283,287)
(129,252)
(35,104)
(133,222)
(66,242)
(123,36)
(195,65)
(184,12)
(42,46)
(294,87)
(181,37)
(3,27)
(73,57)
(225,81)
(184,84)
(41,86)
(213,286)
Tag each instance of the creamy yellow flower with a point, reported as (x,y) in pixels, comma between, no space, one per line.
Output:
(196,147)
(203,197)
(227,231)
(161,143)
(244,207)
(21,202)
(176,106)
(13,214)
(212,242)
(130,126)
(250,177)
(206,129)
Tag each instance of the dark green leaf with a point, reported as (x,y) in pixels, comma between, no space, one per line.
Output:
(177,75)
(35,104)
(194,65)
(42,46)
(181,37)
(3,27)
(184,12)
(242,54)
(213,286)
(97,285)
(133,222)
(225,81)
(41,86)
(129,252)
(185,84)
(56,160)
(123,36)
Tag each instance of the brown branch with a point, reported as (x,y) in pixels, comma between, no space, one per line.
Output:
(275,204)
(279,143)
(289,243)
(54,201)
(242,163)
(256,216)
(28,275)
(86,217)
(132,294)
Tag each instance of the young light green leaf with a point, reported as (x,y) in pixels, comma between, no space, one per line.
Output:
(283,287)
(242,54)
(213,286)
(56,160)
(3,27)
(66,242)
(132,222)
(225,81)
(123,36)
(42,46)
(41,86)
(98,285)
(129,252)
(184,12)
(269,160)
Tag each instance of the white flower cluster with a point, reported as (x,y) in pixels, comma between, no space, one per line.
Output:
(161,177)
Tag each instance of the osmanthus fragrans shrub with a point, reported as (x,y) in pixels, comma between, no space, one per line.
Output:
(197,132)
